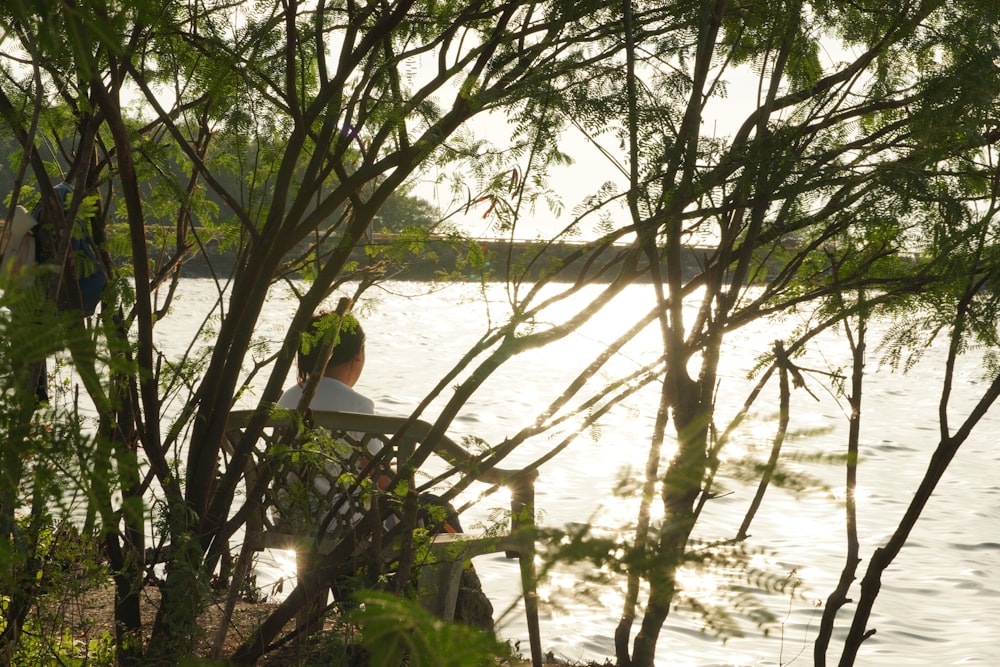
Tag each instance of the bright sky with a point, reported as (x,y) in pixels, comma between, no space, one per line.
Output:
(590,170)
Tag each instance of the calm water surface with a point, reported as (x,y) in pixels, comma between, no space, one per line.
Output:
(940,603)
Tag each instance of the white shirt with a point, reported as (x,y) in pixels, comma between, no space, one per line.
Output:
(334,396)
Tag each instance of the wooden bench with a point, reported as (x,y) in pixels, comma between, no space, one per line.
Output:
(309,482)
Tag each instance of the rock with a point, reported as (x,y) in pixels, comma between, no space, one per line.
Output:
(473,607)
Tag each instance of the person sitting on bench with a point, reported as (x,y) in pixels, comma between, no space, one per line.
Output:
(336,393)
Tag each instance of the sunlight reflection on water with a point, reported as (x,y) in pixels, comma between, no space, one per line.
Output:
(940,604)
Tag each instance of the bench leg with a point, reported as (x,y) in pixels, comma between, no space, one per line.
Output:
(310,617)
(437,587)
(522,509)
(527,563)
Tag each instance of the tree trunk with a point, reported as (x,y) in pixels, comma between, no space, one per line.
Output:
(681,487)
(838,598)
(883,557)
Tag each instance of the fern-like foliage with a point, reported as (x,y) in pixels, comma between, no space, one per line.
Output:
(397,632)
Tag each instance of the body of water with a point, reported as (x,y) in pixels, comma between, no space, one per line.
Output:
(940,603)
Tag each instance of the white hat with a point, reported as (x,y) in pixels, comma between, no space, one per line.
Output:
(19,251)
(21,224)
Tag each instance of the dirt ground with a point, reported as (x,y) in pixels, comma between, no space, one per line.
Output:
(86,615)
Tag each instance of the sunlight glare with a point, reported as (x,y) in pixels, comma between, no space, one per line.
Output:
(284,563)
(699,584)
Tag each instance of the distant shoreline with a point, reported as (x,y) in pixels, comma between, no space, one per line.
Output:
(503,259)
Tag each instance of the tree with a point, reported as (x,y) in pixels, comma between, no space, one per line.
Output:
(823,188)
(402,211)
(357,98)
(837,174)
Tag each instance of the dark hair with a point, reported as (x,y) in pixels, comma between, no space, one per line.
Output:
(321,327)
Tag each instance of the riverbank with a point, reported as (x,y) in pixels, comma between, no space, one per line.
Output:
(472,260)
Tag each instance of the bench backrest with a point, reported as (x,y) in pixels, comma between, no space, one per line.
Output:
(310,478)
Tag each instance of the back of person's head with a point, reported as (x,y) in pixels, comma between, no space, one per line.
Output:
(323,326)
